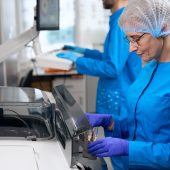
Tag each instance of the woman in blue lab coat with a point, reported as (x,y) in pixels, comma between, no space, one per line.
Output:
(146,24)
(116,67)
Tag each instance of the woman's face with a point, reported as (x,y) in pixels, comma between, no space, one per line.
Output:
(145,45)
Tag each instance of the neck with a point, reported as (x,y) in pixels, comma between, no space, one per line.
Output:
(118,4)
(165,55)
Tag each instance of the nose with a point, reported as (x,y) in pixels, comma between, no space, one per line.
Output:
(133,47)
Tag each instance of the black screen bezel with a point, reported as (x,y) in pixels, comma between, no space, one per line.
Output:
(38,16)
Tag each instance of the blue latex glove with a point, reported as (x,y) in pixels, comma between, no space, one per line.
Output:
(68,55)
(108,147)
(104,120)
(74,49)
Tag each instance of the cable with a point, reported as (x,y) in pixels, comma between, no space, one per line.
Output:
(19,118)
(23,121)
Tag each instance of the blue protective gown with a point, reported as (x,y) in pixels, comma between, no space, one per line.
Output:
(116,68)
(148,125)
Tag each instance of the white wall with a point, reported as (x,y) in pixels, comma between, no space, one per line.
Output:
(8,31)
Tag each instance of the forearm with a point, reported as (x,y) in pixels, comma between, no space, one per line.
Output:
(104,69)
(119,129)
(94,54)
(149,155)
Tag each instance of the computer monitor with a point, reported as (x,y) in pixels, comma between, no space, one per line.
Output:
(47,15)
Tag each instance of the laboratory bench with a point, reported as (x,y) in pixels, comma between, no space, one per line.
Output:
(74,82)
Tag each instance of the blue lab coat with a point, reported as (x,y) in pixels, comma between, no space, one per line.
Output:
(116,68)
(148,123)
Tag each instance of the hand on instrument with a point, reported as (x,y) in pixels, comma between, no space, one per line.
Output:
(104,120)
(108,147)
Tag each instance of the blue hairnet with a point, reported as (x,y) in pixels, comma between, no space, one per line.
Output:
(148,16)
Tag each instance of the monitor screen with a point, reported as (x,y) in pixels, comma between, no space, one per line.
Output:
(47,15)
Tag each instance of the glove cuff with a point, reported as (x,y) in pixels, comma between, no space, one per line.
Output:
(108,122)
(125,146)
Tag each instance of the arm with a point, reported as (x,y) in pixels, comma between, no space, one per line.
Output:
(95,67)
(120,128)
(148,155)
(116,126)
(121,124)
(94,54)
(115,56)
(142,155)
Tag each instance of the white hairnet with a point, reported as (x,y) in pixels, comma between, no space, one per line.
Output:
(148,16)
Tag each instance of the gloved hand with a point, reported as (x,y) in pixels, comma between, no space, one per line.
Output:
(108,147)
(68,55)
(104,120)
(74,49)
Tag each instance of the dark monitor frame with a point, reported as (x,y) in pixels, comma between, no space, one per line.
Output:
(38,18)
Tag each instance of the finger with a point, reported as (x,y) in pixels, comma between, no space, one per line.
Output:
(99,151)
(60,55)
(92,144)
(95,147)
(104,154)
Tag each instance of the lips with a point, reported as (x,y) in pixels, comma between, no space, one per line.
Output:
(140,54)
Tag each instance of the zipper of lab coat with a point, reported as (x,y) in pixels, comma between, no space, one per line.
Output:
(151,78)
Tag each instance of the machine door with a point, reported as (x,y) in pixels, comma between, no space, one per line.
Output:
(73,116)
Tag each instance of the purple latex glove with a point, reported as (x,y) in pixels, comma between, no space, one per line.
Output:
(104,120)
(108,147)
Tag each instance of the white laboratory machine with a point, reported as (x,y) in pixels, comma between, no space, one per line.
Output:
(39,130)
(42,131)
